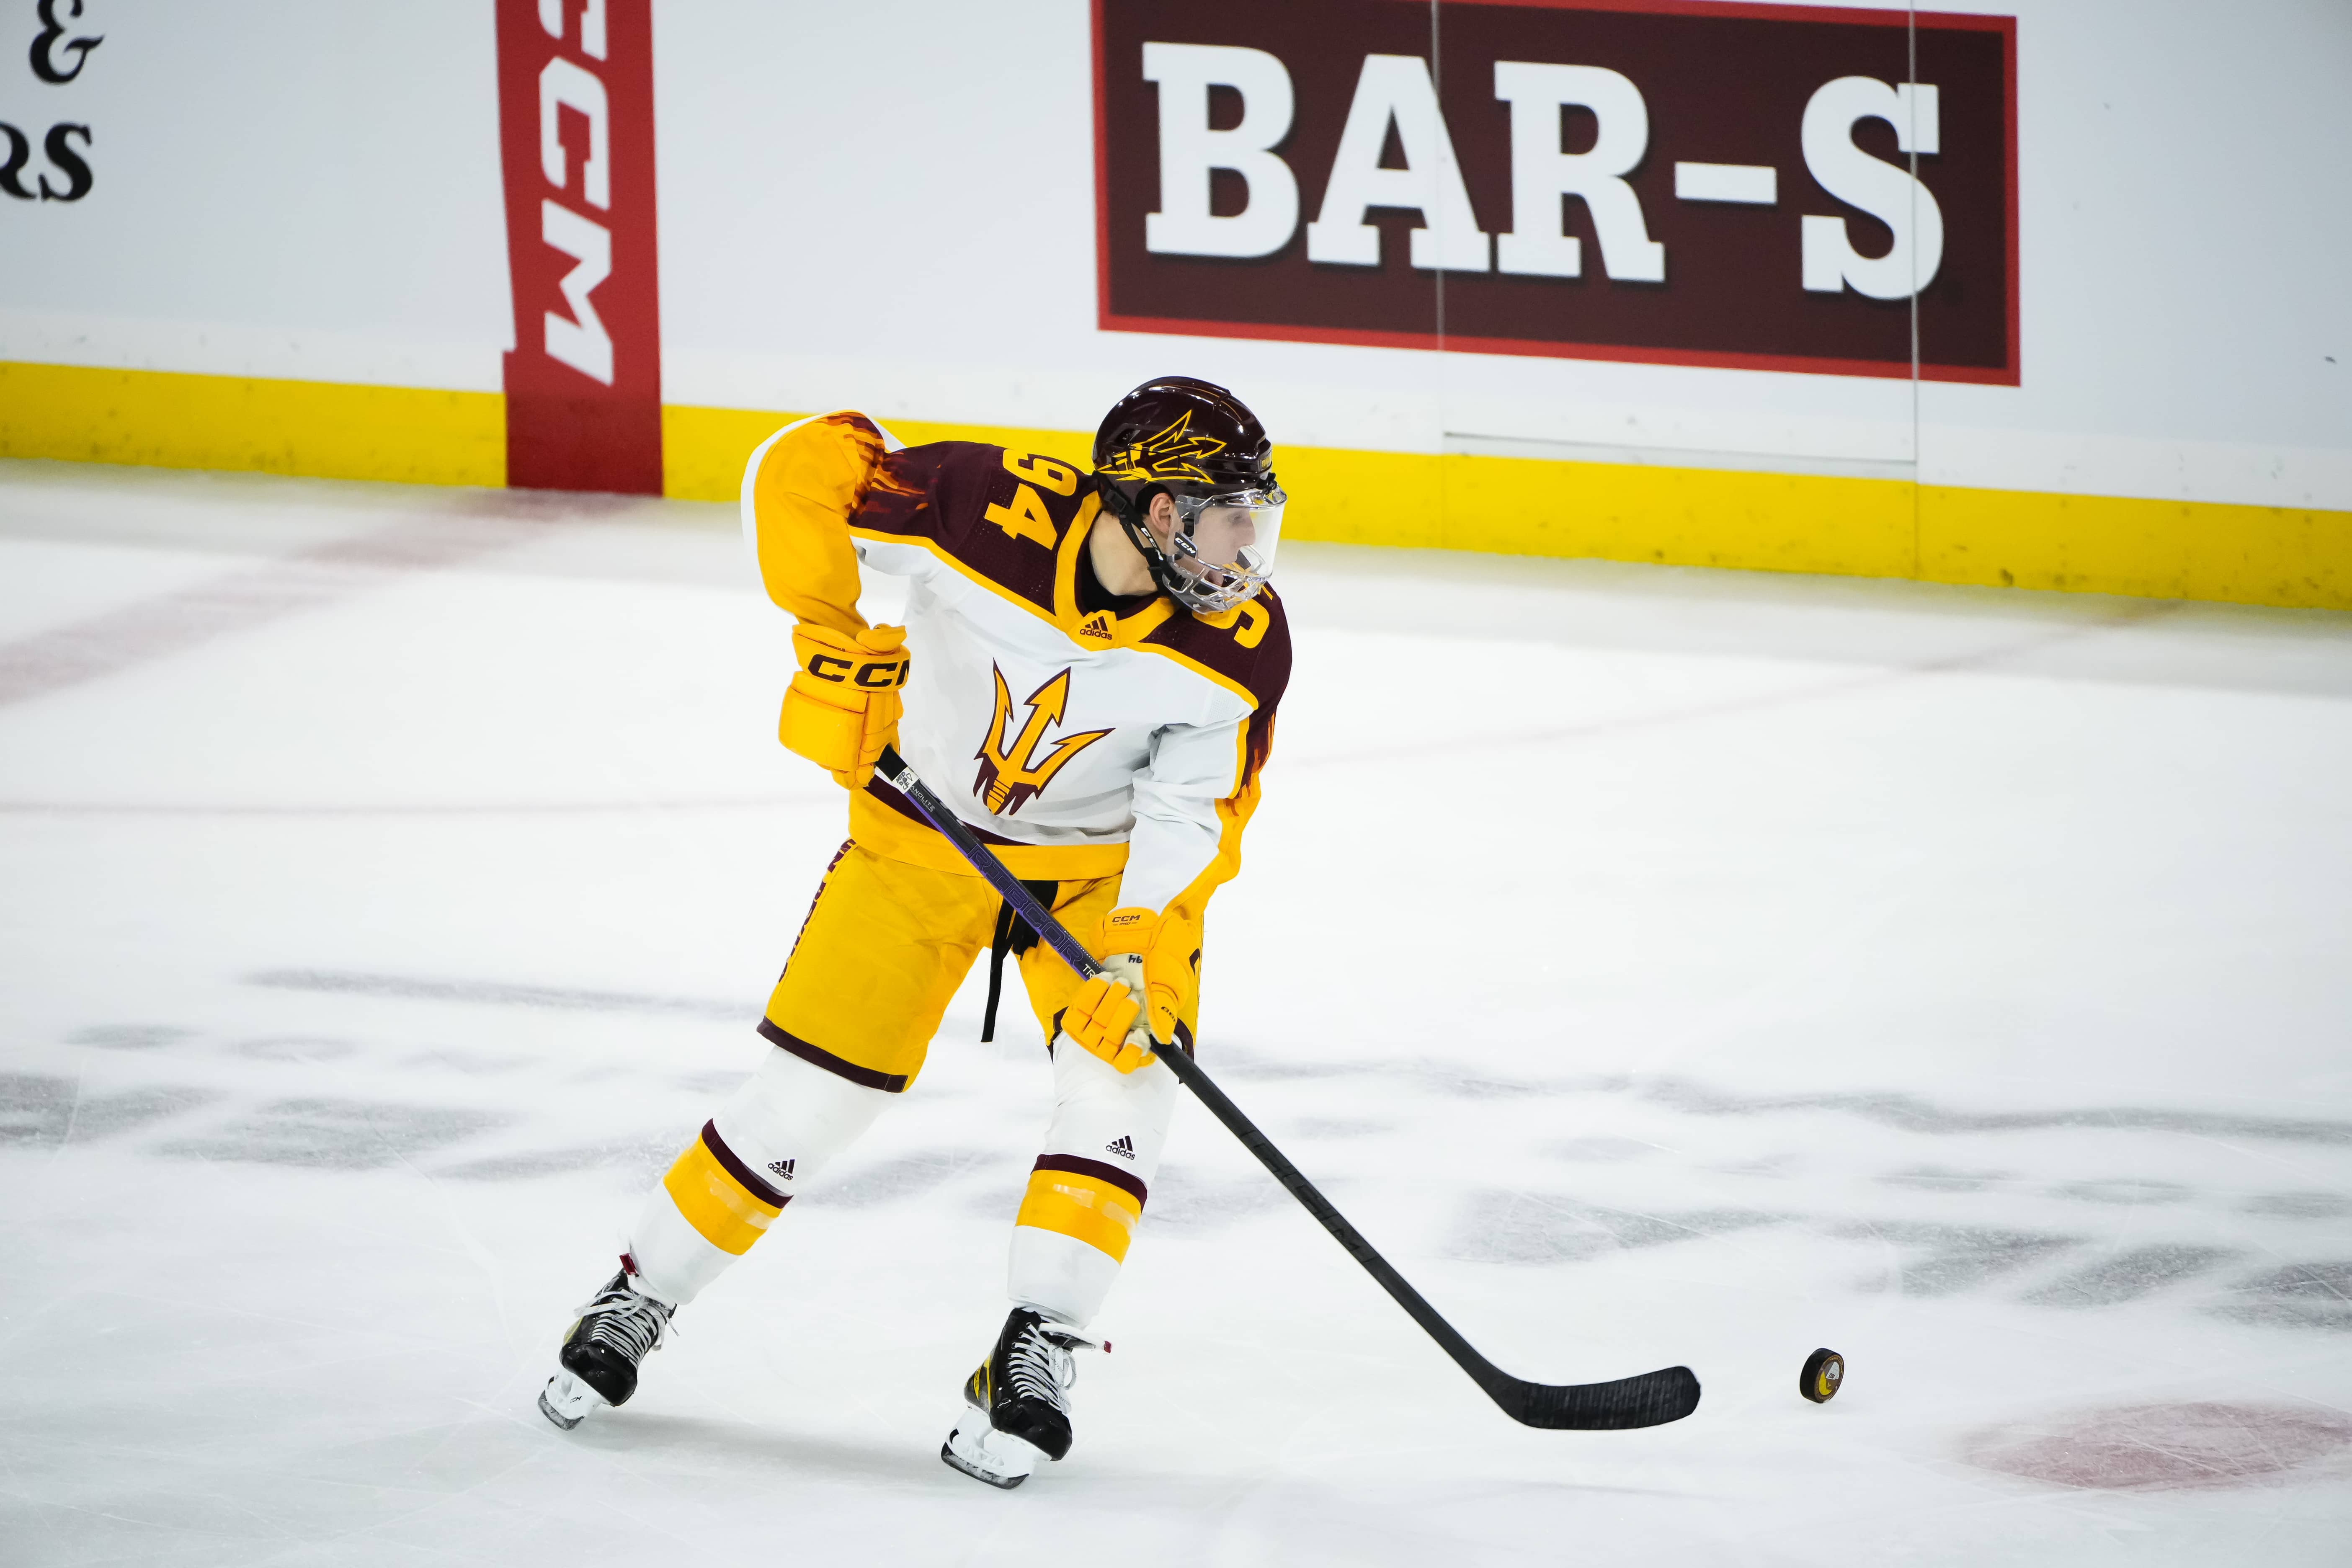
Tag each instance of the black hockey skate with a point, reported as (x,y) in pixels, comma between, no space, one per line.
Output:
(1020,1401)
(600,1356)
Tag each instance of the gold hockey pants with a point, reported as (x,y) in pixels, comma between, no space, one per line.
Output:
(884,949)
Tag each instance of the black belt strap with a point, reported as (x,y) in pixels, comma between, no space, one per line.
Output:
(1013,936)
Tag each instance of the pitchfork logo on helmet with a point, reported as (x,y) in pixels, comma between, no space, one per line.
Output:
(1176,453)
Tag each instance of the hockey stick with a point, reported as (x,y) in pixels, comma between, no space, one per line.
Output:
(1650,1399)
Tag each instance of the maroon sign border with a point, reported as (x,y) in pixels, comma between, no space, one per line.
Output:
(1109,322)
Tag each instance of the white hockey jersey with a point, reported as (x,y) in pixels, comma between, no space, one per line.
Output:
(1078,744)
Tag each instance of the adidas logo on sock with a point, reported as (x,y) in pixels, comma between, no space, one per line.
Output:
(1124,1147)
(782,1167)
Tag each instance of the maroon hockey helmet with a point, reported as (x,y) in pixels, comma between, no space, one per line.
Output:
(1202,446)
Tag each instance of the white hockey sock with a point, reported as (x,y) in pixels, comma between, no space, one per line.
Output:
(1088,1192)
(787,1122)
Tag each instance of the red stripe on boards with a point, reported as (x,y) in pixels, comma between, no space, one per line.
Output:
(576,151)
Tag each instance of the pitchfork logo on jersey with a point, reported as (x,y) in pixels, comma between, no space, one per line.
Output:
(1011,773)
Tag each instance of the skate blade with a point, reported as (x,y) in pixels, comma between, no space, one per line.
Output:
(984,1454)
(566,1400)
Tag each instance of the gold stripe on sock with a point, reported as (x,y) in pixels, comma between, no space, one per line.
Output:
(727,1214)
(1094,1212)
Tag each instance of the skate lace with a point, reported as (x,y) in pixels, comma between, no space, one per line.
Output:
(632,1323)
(1042,1367)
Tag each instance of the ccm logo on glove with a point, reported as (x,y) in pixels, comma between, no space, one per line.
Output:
(879,675)
(1147,986)
(842,705)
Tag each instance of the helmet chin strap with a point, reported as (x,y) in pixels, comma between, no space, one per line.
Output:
(1130,514)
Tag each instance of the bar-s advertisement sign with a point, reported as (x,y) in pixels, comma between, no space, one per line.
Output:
(1767,187)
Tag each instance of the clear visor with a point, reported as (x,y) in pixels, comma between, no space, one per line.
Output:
(1224,544)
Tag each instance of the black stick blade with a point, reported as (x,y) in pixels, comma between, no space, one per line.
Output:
(1652,1399)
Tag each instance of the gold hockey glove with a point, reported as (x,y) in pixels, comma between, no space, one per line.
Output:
(842,705)
(1169,980)
(1102,1015)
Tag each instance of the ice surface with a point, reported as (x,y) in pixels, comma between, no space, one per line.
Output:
(1661,966)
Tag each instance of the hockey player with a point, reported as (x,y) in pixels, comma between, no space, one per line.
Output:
(1088,676)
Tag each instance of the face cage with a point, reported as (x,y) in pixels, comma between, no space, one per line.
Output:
(1212,587)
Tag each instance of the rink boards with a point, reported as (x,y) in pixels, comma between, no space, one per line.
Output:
(339,243)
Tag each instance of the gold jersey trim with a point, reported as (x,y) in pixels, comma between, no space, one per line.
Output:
(873,826)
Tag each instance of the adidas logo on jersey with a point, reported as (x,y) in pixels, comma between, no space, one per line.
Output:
(1095,626)
(783,1168)
(1124,1147)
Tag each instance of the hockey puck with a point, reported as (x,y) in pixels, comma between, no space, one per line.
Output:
(1824,1370)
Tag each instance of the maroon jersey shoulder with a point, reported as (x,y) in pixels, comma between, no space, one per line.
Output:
(1248,646)
(1000,515)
